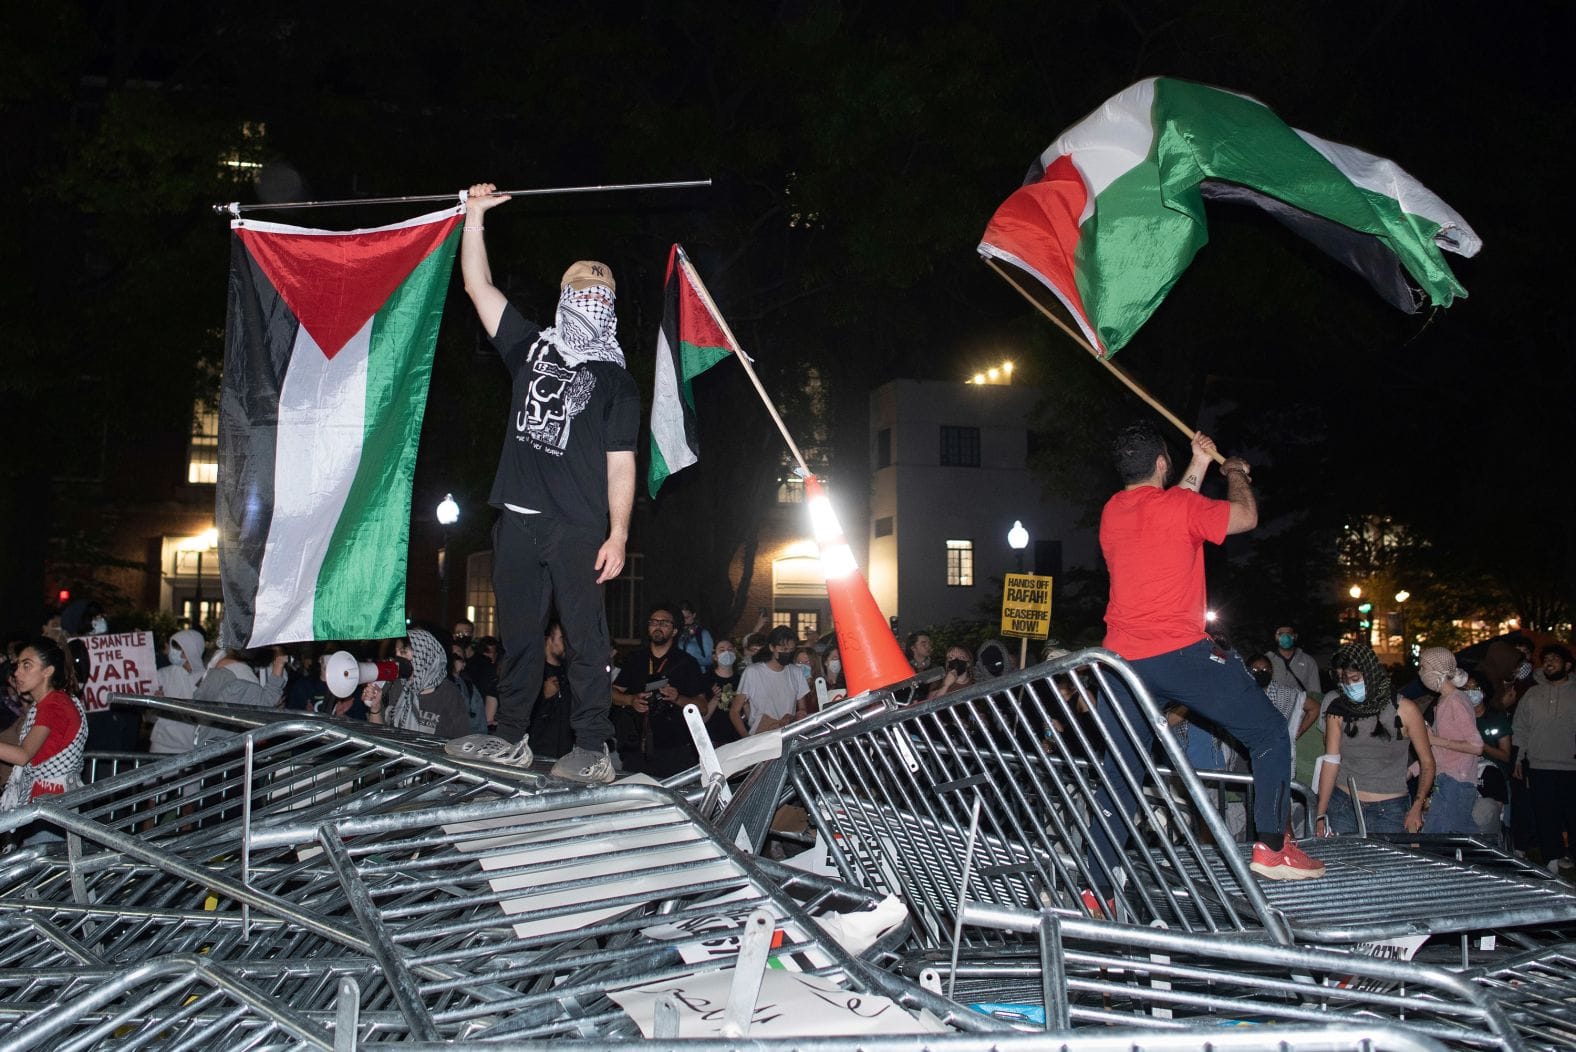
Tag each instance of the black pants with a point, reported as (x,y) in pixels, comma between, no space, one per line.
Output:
(537,558)
(1554,809)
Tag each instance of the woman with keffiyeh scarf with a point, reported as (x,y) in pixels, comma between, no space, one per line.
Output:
(1368,732)
(428,702)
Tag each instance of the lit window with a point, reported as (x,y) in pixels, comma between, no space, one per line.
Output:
(807,624)
(960,447)
(202,457)
(790,490)
(782,618)
(960,563)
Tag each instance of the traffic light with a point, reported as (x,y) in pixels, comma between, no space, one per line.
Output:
(65,596)
(1365,608)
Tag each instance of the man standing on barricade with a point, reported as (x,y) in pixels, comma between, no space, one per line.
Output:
(564,487)
(1153,539)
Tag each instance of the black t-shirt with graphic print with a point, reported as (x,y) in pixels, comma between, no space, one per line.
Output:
(562,424)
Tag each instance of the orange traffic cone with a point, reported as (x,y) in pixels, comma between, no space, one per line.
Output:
(871,656)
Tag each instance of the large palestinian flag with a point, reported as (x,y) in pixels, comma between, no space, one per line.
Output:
(693,338)
(1113,210)
(328,350)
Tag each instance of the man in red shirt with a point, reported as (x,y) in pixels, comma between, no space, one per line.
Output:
(1153,541)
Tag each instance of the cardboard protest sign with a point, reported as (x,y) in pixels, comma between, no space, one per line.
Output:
(118,663)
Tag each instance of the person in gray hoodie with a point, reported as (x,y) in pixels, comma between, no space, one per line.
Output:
(1544,735)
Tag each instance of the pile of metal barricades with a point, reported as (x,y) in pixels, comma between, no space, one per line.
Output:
(1029,864)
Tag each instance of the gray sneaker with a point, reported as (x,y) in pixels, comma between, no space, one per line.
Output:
(490,747)
(583,765)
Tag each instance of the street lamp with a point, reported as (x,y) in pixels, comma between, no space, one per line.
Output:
(1400,608)
(1018,538)
(448,515)
(1355,591)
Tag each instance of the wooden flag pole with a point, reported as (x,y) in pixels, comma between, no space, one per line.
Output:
(1115,370)
(744,359)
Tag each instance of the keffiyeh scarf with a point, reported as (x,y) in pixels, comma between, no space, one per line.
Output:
(585,328)
(429,665)
(64,769)
(1379,693)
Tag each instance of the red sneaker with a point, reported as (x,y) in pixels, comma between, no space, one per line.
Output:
(1289,863)
(1096,909)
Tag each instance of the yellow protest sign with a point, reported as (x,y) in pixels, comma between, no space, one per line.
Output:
(1026,606)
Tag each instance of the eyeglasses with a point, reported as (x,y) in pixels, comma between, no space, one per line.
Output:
(660,621)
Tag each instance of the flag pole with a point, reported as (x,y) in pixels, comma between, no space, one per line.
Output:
(744,360)
(235,208)
(1115,370)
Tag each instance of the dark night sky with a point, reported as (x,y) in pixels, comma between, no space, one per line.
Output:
(858,150)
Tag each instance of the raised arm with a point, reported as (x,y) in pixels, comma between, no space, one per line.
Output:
(620,498)
(489,302)
(1203,453)
(1239,492)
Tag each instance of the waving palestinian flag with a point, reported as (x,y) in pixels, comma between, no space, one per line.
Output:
(693,338)
(328,350)
(1113,211)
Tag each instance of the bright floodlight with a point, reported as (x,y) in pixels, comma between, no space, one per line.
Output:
(1209,616)
(1018,537)
(448,511)
(210,537)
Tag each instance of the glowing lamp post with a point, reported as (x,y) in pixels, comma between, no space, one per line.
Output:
(448,515)
(1018,540)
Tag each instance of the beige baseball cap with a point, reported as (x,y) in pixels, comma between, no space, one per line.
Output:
(588,272)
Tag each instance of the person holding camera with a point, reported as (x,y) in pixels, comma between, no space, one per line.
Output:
(656,682)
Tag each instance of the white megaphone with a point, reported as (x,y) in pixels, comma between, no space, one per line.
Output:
(343,673)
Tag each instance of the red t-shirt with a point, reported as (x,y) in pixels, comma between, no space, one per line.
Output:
(57,713)
(1153,541)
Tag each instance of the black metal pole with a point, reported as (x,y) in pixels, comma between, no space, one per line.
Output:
(235,208)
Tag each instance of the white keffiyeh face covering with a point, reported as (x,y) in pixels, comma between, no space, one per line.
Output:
(428,660)
(585,328)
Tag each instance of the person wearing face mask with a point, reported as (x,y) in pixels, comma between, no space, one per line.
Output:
(178,680)
(1544,736)
(1456,742)
(1367,731)
(959,665)
(770,693)
(834,671)
(1294,668)
(1494,727)
(721,686)
(564,488)
(1295,706)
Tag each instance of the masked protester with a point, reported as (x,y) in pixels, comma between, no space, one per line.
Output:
(1367,732)
(959,665)
(564,489)
(1457,744)
(770,693)
(1544,735)
(1295,706)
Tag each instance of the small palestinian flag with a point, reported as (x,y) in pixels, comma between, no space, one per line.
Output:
(1112,212)
(328,351)
(693,339)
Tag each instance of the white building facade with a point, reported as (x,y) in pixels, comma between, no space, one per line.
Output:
(949,476)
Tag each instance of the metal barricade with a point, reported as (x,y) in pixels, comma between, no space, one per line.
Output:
(299,854)
(1374,890)
(1058,759)
(1537,992)
(1084,973)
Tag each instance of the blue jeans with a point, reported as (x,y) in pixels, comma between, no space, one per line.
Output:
(1450,811)
(1219,689)
(1380,816)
